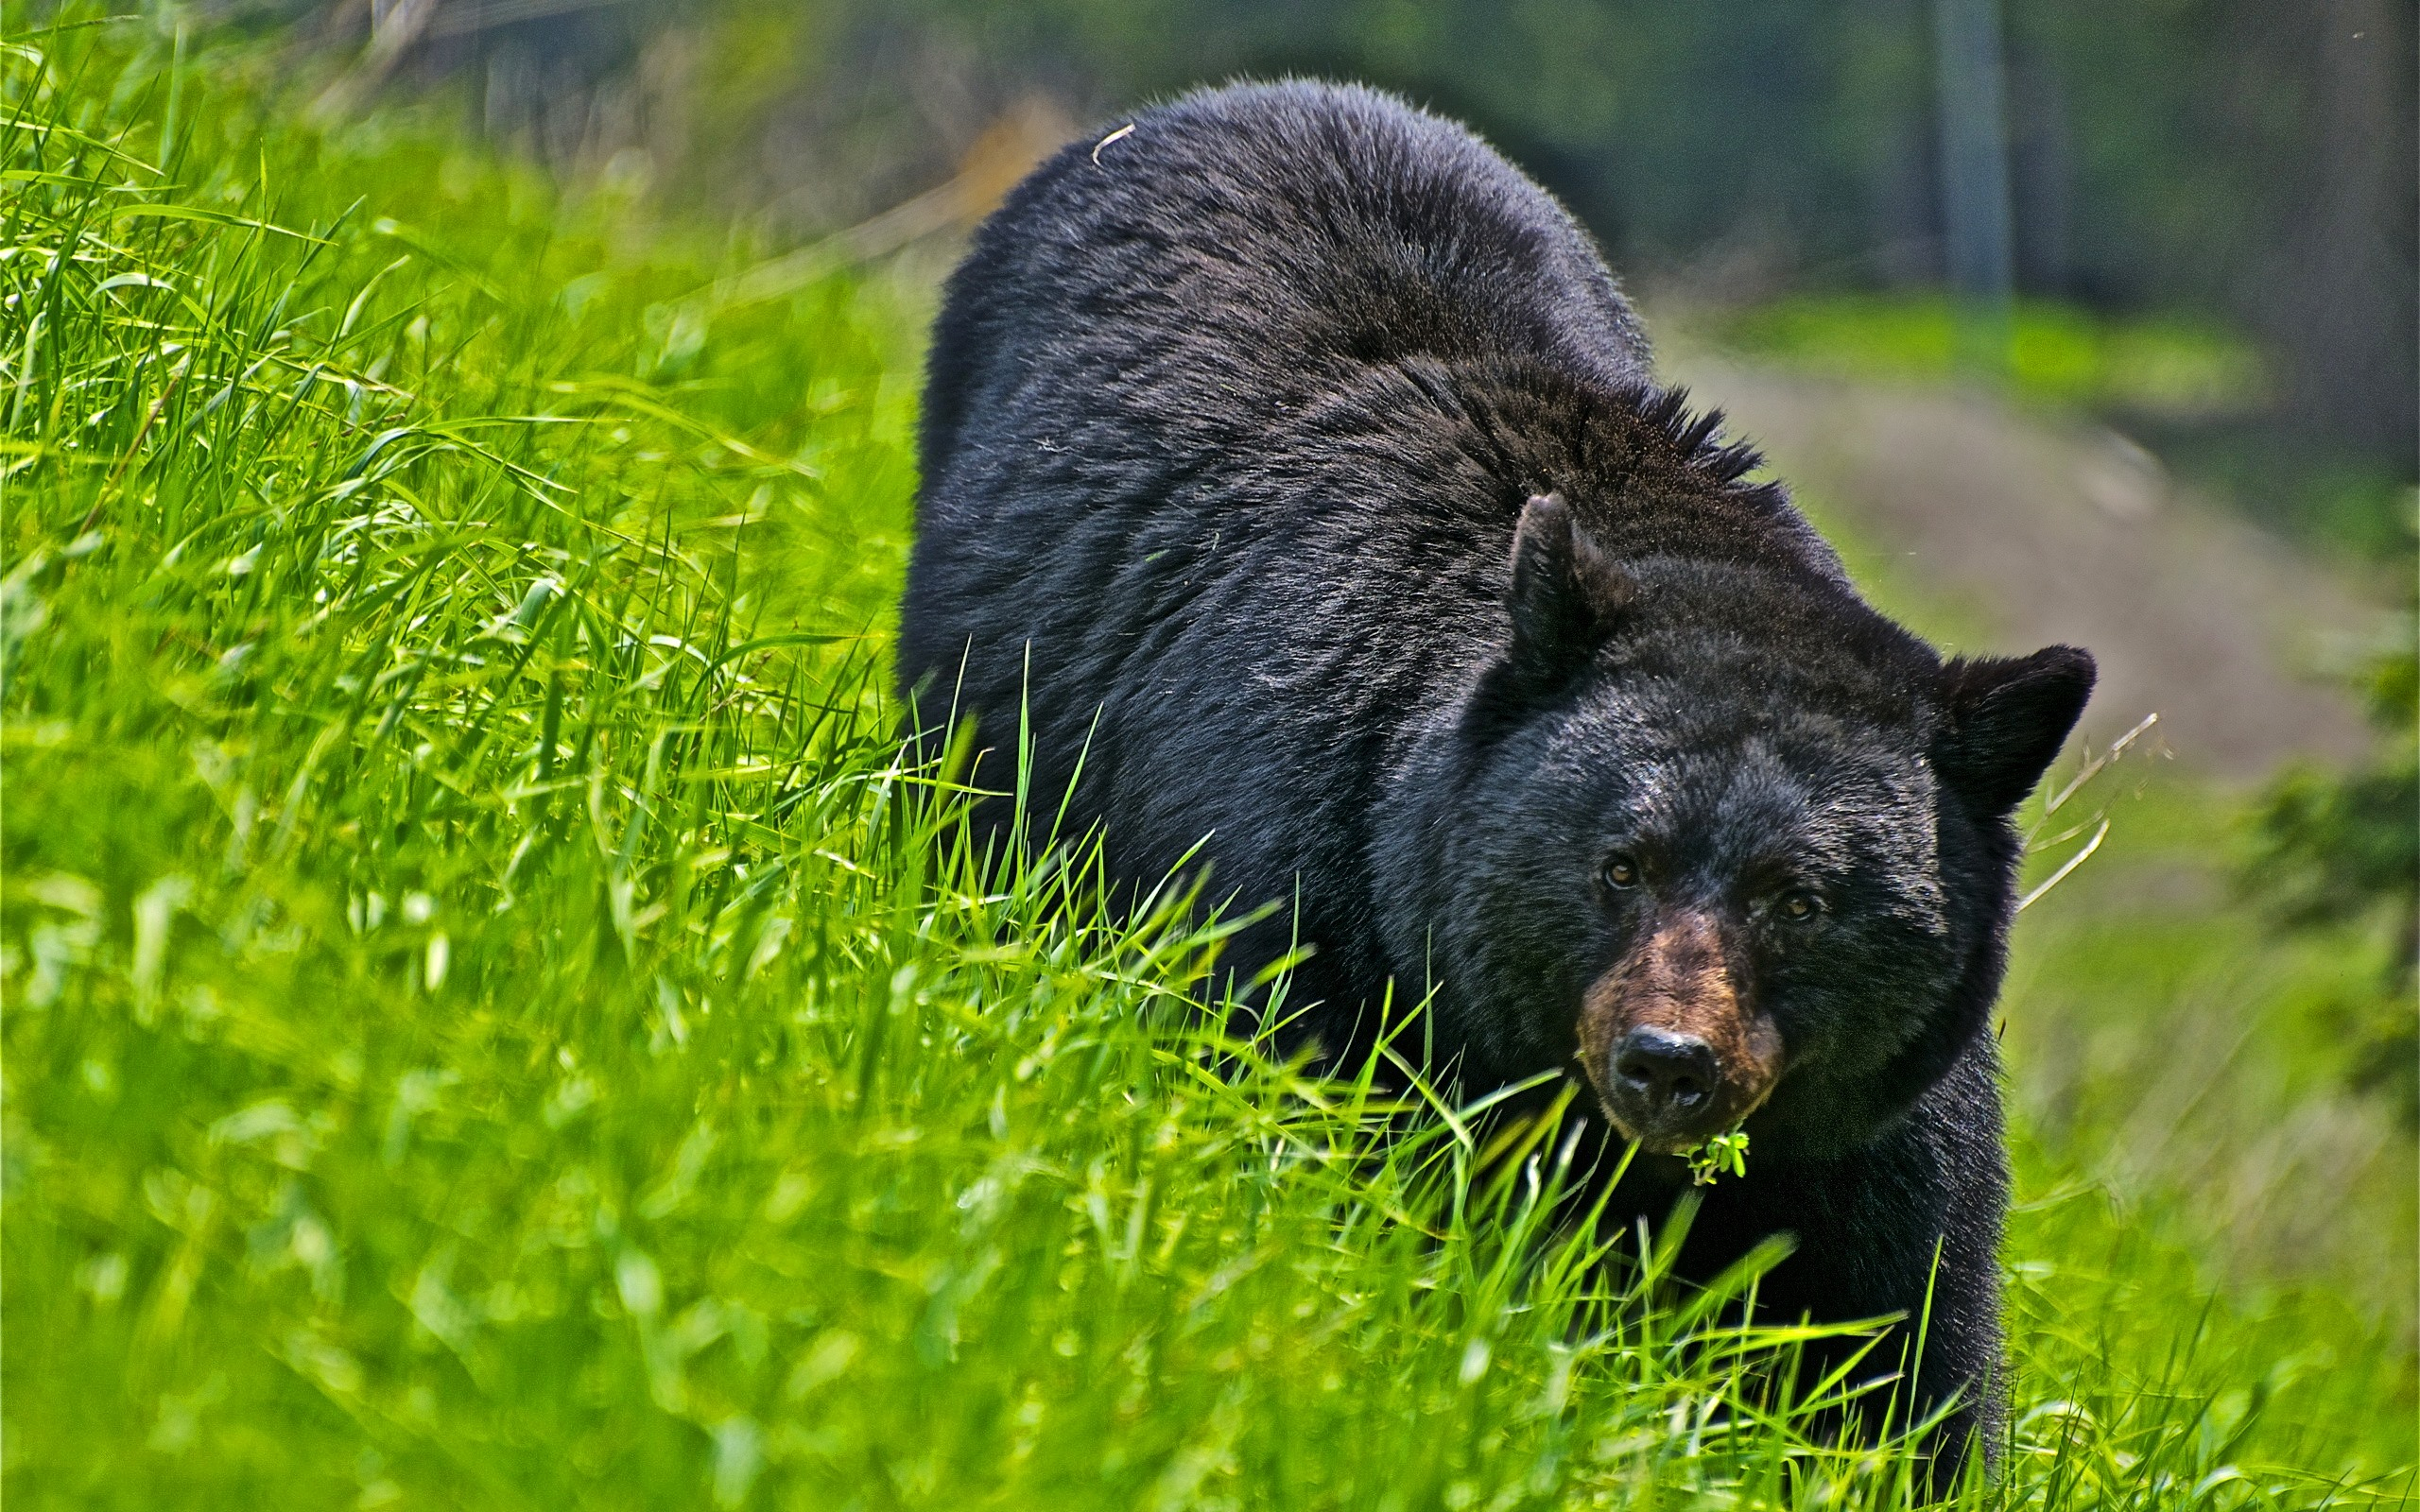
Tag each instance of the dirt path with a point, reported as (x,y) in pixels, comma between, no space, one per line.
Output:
(2039,532)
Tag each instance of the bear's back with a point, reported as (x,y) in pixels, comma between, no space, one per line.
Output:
(1226,426)
(1211,266)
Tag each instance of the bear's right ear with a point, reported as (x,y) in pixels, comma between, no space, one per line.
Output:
(2003,720)
(1566,595)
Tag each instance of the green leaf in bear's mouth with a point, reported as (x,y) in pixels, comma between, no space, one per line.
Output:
(1727,1151)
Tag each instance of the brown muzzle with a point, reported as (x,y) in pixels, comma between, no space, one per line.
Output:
(1675,1052)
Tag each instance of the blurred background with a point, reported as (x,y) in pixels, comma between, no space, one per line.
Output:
(2185,229)
(2207,204)
(2069,320)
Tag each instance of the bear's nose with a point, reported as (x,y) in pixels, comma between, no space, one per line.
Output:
(1672,1076)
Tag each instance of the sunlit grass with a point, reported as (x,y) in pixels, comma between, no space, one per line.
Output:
(2214,1081)
(491,1020)
(2055,352)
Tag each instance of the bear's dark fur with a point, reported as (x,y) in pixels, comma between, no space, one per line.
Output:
(1293,461)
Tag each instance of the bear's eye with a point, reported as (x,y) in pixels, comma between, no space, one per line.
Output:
(1798,905)
(1621,871)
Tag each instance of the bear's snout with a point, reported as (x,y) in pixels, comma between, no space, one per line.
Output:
(1673,1048)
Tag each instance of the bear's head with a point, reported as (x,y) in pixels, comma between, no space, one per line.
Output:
(1731,841)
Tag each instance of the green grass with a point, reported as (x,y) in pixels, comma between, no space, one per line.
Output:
(2211,1088)
(2056,352)
(490,1022)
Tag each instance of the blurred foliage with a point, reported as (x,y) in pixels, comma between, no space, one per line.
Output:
(2245,159)
(2332,848)
(2057,352)
(2353,506)
(2179,170)
(2195,392)
(2165,1035)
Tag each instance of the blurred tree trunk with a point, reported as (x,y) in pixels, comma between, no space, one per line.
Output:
(1974,179)
(2340,299)
(2041,174)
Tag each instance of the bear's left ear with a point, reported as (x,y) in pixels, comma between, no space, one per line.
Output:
(1566,593)
(2003,720)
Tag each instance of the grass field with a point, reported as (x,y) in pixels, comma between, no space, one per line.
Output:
(2055,354)
(490,1022)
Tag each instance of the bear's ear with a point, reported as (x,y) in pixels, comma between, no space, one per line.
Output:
(2003,719)
(1566,594)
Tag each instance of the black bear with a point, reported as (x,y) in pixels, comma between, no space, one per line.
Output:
(1293,474)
